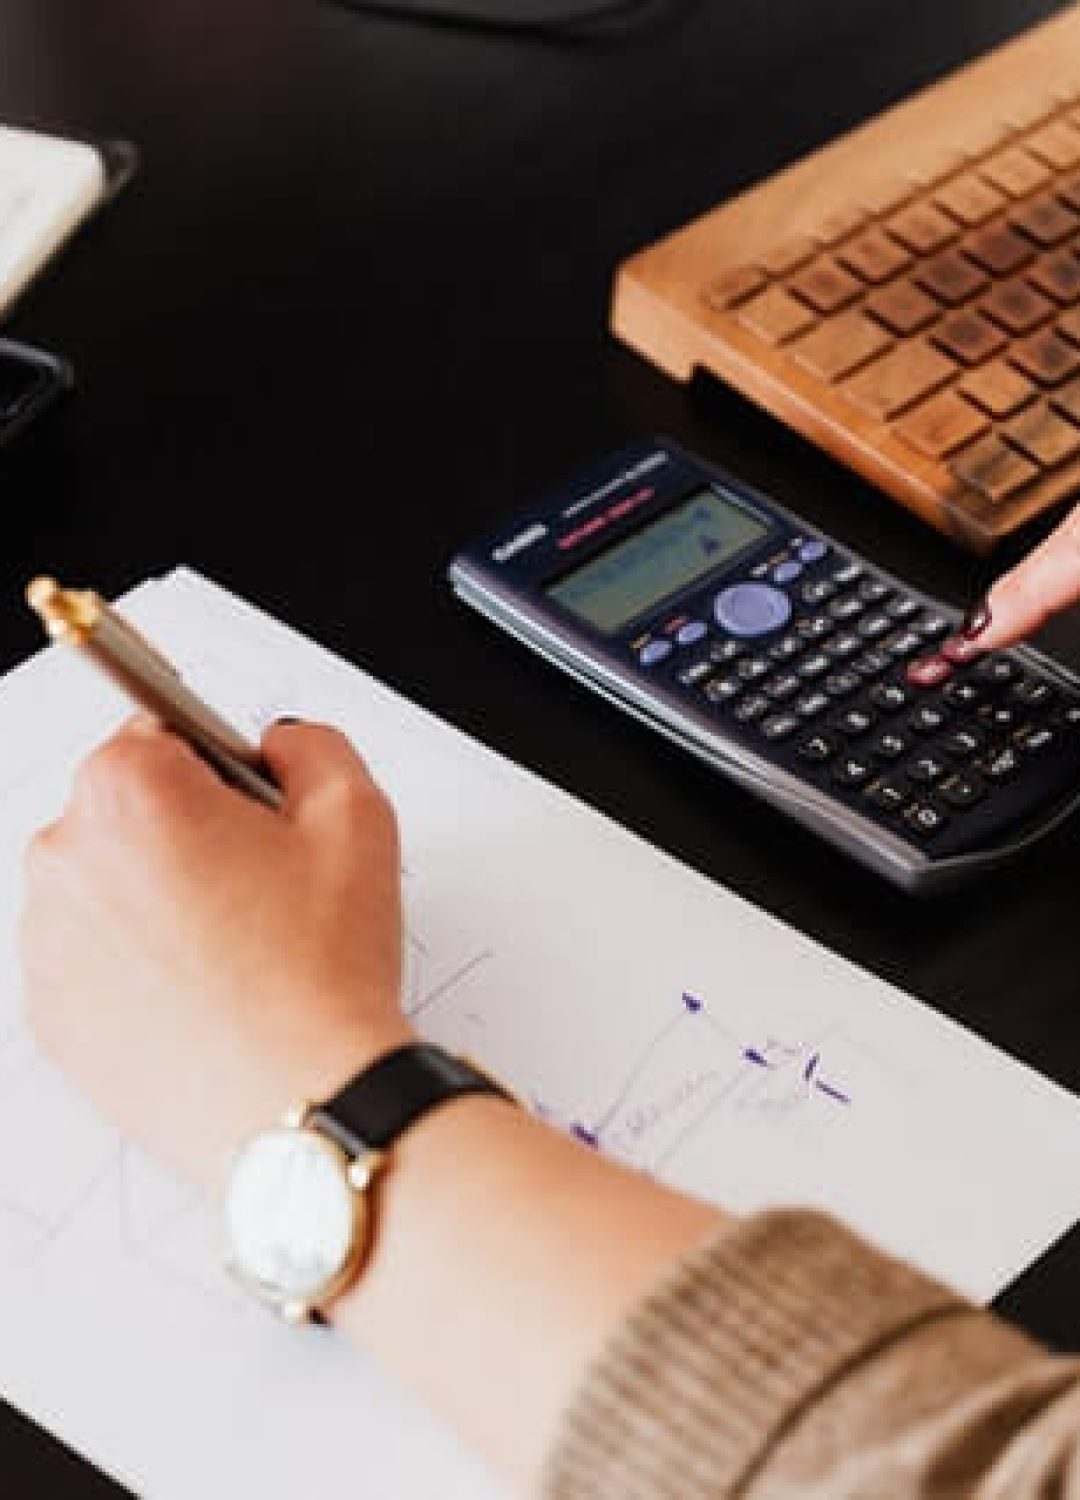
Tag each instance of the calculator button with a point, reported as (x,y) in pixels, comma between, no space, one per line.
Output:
(1033,693)
(849,572)
(842,684)
(843,645)
(751,668)
(963,694)
(814,666)
(889,745)
(1069,717)
(997,670)
(962,789)
(924,818)
(852,770)
(846,608)
(889,696)
(654,652)
(692,632)
(779,726)
(874,626)
(813,627)
(813,550)
(925,768)
(998,716)
(871,664)
(723,689)
(813,703)
(932,626)
(751,609)
(786,647)
(855,721)
(903,608)
(890,793)
(696,673)
(929,672)
(787,572)
(783,687)
(874,590)
(817,592)
(963,742)
(752,708)
(960,652)
(1034,738)
(903,643)
(1000,763)
(723,652)
(817,748)
(928,718)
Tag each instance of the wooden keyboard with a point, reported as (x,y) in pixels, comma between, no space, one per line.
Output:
(909,296)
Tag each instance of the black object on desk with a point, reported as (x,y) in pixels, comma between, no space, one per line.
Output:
(361,255)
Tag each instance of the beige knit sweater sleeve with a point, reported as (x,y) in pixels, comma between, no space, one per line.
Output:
(789,1359)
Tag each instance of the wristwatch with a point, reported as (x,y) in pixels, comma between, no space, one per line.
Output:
(298,1203)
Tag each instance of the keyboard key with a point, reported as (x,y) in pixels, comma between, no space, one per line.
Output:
(874,256)
(941,425)
(929,672)
(1046,357)
(874,590)
(848,573)
(898,380)
(842,684)
(790,254)
(814,627)
(928,718)
(1068,325)
(963,694)
(817,592)
(783,687)
(1035,738)
(970,200)
(903,308)
(969,338)
(1017,307)
(1015,171)
(962,789)
(779,726)
(723,652)
(1045,220)
(840,224)
(825,286)
(787,647)
(997,389)
(925,819)
(843,645)
(999,249)
(998,717)
(751,709)
(855,721)
(925,768)
(814,666)
(1067,401)
(735,287)
(1058,276)
(904,608)
(1033,693)
(963,742)
(960,651)
(993,468)
(852,769)
(812,704)
(1058,145)
(903,643)
(922,228)
(1000,764)
(997,670)
(889,697)
(891,793)
(841,346)
(776,316)
(873,627)
(723,689)
(696,673)
(888,744)
(1043,436)
(871,664)
(818,748)
(847,608)
(932,625)
(752,668)
(951,279)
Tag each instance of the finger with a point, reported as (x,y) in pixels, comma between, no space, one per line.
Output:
(143,769)
(312,762)
(1044,583)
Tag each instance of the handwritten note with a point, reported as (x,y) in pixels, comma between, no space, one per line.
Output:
(634,1004)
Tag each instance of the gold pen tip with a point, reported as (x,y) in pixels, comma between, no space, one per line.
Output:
(67,614)
(40,593)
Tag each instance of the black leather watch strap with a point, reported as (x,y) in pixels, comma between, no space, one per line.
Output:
(396,1091)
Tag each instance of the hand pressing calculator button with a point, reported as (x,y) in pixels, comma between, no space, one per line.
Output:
(819,682)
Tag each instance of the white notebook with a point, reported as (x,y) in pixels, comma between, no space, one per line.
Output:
(48,187)
(631,1001)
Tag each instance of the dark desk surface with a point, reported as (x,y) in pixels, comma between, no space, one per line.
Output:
(353,310)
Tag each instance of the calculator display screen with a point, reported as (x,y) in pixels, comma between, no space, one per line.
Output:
(658,561)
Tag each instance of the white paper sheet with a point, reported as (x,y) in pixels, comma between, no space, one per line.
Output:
(630,1000)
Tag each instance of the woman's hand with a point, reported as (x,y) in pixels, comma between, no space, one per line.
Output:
(1024,598)
(196,962)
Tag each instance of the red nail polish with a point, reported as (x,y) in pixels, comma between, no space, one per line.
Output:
(976,620)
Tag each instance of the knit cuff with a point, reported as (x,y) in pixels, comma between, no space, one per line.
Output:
(691,1393)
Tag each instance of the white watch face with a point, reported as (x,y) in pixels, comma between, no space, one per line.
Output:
(292,1215)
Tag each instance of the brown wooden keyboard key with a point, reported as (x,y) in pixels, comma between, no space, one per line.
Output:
(1016,306)
(969,338)
(786,257)
(776,316)
(922,228)
(993,468)
(997,388)
(1069,325)
(839,224)
(1067,401)
(899,380)
(970,200)
(951,278)
(1042,435)
(735,287)
(942,425)
(1015,171)
(875,256)
(841,345)
(999,249)
(1046,357)
(903,307)
(1058,276)
(1058,145)
(1069,192)
(825,285)
(1045,220)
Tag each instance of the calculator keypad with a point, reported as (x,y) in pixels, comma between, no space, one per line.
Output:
(861,690)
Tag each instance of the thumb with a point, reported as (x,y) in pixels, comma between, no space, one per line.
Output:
(1026,597)
(312,761)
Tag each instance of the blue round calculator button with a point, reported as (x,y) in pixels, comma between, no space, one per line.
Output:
(813,550)
(654,652)
(749,609)
(787,572)
(691,633)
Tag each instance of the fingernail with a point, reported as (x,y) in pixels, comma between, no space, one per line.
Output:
(976,620)
(286,719)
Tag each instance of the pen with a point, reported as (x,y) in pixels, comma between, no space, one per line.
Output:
(83,619)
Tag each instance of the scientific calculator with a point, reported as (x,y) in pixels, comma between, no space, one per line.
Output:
(787,663)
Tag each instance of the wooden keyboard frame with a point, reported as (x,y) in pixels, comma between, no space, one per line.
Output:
(660,310)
